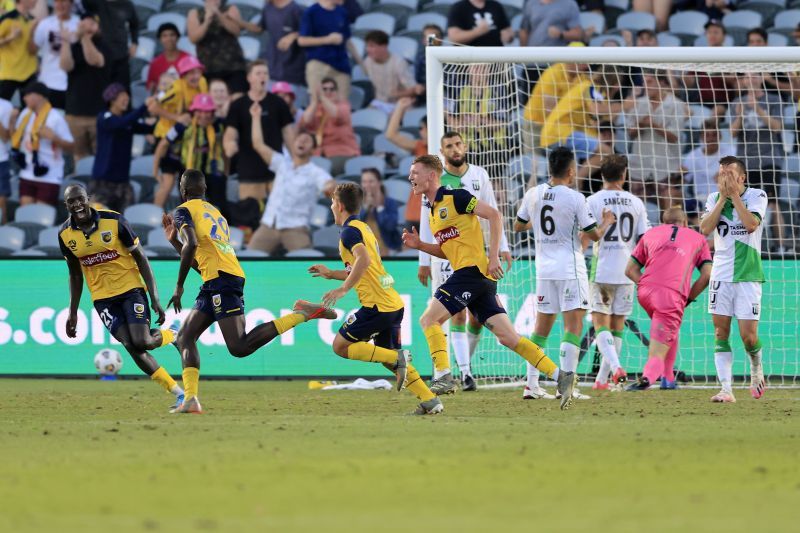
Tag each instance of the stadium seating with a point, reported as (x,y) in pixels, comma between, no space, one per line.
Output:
(160,18)
(636,20)
(357,164)
(11,239)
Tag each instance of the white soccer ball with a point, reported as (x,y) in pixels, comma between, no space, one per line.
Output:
(108,362)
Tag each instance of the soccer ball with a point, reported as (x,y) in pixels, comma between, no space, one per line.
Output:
(108,362)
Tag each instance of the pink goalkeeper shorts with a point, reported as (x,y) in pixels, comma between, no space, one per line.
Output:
(665,308)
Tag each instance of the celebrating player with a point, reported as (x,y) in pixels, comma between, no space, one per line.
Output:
(100,246)
(453,218)
(668,253)
(611,292)
(206,247)
(557,213)
(734,215)
(458,174)
(381,312)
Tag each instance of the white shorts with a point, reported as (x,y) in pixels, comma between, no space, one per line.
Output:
(440,272)
(555,296)
(610,299)
(741,300)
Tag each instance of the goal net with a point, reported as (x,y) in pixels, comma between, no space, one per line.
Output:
(674,112)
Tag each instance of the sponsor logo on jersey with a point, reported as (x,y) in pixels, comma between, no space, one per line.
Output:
(443,213)
(471,205)
(466,295)
(99,258)
(442,236)
(106,237)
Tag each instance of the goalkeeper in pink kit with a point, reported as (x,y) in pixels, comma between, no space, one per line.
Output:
(669,253)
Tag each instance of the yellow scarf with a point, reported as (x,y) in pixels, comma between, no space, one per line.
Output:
(190,144)
(41,117)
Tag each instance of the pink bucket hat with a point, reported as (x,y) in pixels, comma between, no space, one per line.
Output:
(188,63)
(282,87)
(202,102)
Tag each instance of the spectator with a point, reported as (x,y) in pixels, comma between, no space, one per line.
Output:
(661,9)
(47,42)
(218,90)
(285,57)
(380,212)
(479,23)
(757,37)
(353,9)
(715,9)
(38,142)
(88,74)
(550,23)
(416,147)
(324,33)
(110,184)
(276,123)
(389,74)
(646,38)
(595,6)
(17,63)
(701,165)
(214,30)
(329,117)
(711,90)
(168,35)
(431,36)
(7,119)
(285,92)
(173,105)
(119,26)
(298,184)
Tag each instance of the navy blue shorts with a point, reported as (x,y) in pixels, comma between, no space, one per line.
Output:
(221,297)
(467,287)
(369,323)
(127,308)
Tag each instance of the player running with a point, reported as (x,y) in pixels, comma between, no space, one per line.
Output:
(611,292)
(100,246)
(381,312)
(205,247)
(734,215)
(668,254)
(453,218)
(557,213)
(464,330)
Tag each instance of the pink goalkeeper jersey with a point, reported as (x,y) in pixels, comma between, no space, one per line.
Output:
(669,254)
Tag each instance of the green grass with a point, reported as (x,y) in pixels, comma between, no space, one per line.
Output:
(86,455)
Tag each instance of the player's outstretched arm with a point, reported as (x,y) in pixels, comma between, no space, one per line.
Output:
(357,271)
(321,271)
(413,241)
(149,281)
(701,282)
(75,291)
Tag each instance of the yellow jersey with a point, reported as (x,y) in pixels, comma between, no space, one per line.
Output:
(16,62)
(574,112)
(104,253)
(375,288)
(457,229)
(214,252)
(177,100)
(555,82)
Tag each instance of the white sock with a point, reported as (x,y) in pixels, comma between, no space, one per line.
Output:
(618,345)
(437,374)
(603,373)
(176,390)
(461,350)
(724,364)
(533,377)
(605,343)
(474,339)
(569,356)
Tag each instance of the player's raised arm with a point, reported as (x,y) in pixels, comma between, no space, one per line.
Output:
(321,271)
(357,270)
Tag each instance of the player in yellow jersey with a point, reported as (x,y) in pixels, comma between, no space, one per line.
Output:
(381,312)
(101,247)
(454,223)
(206,247)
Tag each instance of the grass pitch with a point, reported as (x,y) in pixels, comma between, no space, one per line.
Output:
(90,456)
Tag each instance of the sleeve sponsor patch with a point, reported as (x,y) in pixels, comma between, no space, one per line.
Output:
(471,205)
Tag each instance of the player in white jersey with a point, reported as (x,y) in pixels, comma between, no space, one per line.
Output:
(557,213)
(611,292)
(465,330)
(735,215)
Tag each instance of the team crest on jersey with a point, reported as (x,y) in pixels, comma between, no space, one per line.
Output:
(476,184)
(351,319)
(138,309)
(216,300)
(106,236)
(443,213)
(72,244)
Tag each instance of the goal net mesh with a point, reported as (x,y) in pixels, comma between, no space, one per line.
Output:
(673,122)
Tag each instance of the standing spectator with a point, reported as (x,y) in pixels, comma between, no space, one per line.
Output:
(214,30)
(298,184)
(550,23)
(285,92)
(219,92)
(431,36)
(389,74)
(285,57)
(479,23)
(661,9)
(17,62)
(168,35)
(119,26)
(701,165)
(380,212)
(276,123)
(329,117)
(416,147)
(84,61)
(324,33)
(7,119)
(110,184)
(47,42)
(38,142)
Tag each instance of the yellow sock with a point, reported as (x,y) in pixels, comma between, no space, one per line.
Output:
(535,356)
(364,351)
(285,323)
(163,378)
(437,344)
(191,378)
(167,337)
(417,385)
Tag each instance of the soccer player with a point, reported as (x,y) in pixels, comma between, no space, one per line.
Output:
(453,218)
(734,215)
(668,254)
(557,212)
(611,292)
(381,312)
(101,247)
(465,331)
(205,246)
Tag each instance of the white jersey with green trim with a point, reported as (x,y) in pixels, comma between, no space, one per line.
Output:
(557,214)
(737,253)
(614,249)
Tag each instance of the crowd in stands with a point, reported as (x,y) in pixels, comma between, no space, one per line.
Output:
(276,100)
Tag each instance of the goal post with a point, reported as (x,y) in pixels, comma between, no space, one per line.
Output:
(484,91)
